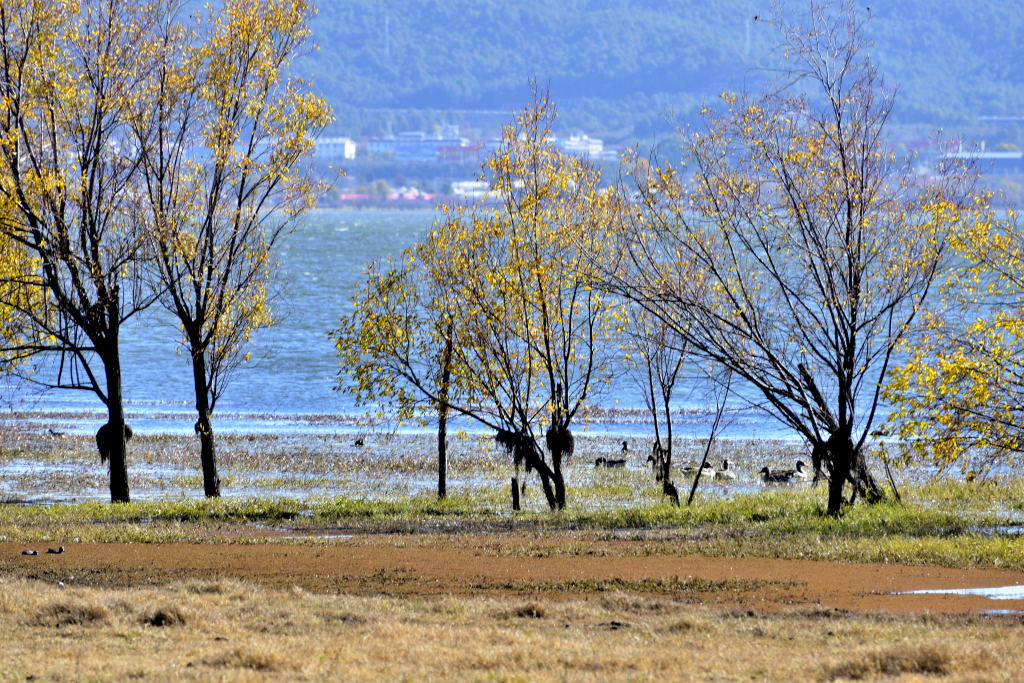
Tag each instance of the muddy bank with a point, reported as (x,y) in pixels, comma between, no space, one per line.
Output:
(518,564)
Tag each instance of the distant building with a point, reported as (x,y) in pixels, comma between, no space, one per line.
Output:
(335,148)
(459,154)
(471,189)
(581,145)
(984,161)
(417,146)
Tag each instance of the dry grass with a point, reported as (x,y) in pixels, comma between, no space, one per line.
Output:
(930,660)
(934,659)
(227,629)
(71,613)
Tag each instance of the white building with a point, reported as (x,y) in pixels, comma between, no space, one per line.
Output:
(581,145)
(471,189)
(335,148)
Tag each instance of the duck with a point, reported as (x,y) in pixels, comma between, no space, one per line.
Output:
(726,472)
(786,476)
(776,477)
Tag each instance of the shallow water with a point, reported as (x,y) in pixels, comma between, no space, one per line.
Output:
(42,468)
(289,386)
(995,592)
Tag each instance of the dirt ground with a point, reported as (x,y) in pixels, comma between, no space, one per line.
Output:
(514,564)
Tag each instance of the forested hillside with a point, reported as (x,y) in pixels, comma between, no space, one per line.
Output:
(619,67)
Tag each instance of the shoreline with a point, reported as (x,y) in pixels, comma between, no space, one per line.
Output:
(742,424)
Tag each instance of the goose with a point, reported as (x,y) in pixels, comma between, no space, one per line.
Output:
(800,473)
(605,462)
(360,441)
(706,470)
(625,447)
(726,472)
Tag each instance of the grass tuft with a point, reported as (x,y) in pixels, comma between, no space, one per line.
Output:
(929,660)
(165,616)
(61,614)
(530,611)
(248,658)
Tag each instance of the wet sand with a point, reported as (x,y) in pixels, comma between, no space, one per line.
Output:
(518,564)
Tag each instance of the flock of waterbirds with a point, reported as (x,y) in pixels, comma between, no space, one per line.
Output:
(726,472)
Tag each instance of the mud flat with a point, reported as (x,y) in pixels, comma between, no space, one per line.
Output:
(494,606)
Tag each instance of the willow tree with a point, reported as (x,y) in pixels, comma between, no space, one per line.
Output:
(224,181)
(959,394)
(69,162)
(505,287)
(808,248)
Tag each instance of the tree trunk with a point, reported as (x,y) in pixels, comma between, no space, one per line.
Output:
(847,464)
(559,482)
(442,452)
(208,453)
(115,418)
(534,461)
(839,458)
(862,480)
(442,418)
(819,455)
(666,455)
(561,445)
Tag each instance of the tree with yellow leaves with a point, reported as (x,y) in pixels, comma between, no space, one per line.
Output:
(223,180)
(959,395)
(396,351)
(69,165)
(504,287)
(793,249)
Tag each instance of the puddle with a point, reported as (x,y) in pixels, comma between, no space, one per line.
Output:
(1001,612)
(1002,530)
(995,593)
(306,537)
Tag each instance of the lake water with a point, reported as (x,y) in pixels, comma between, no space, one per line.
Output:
(289,385)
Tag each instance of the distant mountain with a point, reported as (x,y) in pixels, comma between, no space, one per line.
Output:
(621,68)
